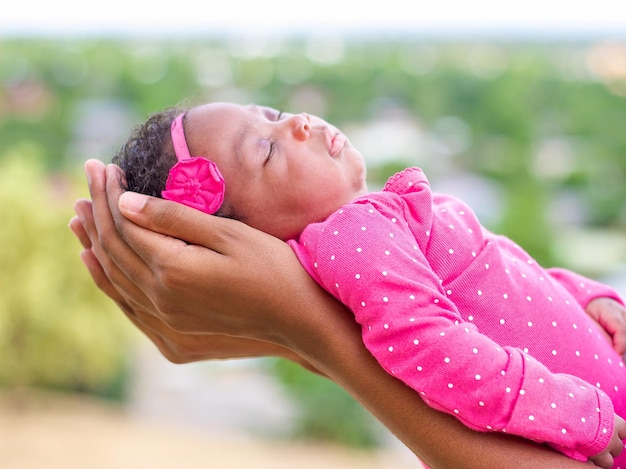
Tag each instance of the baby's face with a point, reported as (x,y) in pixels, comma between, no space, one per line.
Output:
(282,171)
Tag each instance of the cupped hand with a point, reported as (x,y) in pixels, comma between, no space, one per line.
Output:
(193,302)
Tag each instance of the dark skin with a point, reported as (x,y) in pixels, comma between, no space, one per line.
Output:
(201,300)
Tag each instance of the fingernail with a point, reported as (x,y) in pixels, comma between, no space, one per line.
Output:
(132,201)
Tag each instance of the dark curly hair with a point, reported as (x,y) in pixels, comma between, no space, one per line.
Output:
(148,155)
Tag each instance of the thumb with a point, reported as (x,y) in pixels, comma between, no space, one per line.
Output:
(179,221)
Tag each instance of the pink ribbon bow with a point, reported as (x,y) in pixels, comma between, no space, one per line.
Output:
(194,181)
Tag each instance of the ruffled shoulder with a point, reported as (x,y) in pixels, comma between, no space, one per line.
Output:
(406,181)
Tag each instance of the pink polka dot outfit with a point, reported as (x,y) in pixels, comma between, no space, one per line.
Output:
(468,319)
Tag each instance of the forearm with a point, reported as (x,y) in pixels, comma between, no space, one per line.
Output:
(334,346)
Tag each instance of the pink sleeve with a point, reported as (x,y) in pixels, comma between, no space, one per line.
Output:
(373,265)
(582,288)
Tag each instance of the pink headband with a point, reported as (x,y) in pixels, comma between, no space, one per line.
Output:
(194,181)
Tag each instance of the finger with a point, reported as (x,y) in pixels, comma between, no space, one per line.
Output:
(612,319)
(79,231)
(108,248)
(99,277)
(619,336)
(181,222)
(121,264)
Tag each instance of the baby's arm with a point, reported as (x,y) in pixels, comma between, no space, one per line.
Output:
(416,333)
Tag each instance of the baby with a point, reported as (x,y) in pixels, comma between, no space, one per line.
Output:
(463,316)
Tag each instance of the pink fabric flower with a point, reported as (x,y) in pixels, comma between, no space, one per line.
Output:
(196,182)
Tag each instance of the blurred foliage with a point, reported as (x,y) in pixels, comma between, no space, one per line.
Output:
(56,329)
(535,129)
(327,412)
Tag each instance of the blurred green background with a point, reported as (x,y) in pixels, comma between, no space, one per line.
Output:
(531,133)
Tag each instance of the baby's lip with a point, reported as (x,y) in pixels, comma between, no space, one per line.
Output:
(337,142)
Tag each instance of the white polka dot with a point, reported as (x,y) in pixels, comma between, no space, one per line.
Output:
(386,326)
(384,272)
(390,349)
(530,324)
(446,360)
(505,296)
(479,292)
(419,368)
(385,299)
(553,352)
(359,250)
(481,403)
(450,385)
(416,342)
(387,253)
(411,297)
(363,228)
(451,251)
(393,220)
(553,405)
(332,258)
(531,418)
(502,321)
(475,350)
(477,377)
(528,298)
(487,266)
(363,303)
(357,276)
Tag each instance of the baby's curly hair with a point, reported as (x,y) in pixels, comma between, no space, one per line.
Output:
(148,155)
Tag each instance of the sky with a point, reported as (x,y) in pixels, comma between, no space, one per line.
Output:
(215,17)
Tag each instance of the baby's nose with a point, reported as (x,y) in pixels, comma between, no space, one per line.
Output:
(300,126)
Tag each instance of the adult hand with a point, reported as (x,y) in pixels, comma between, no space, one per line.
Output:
(178,347)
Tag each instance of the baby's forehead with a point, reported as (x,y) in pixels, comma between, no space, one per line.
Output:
(212,130)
